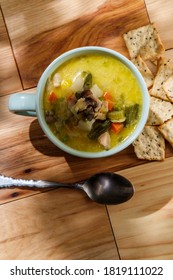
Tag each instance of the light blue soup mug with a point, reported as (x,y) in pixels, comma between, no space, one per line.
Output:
(32,104)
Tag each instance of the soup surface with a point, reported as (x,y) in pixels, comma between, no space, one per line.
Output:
(92,102)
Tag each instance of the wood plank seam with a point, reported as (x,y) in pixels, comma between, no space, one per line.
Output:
(11,46)
(145,4)
(113,233)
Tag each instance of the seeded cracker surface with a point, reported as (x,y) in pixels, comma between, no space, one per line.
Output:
(150,144)
(145,50)
(167,131)
(144,70)
(165,70)
(144,41)
(168,88)
(159,111)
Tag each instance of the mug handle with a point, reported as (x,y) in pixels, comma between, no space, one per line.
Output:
(23,104)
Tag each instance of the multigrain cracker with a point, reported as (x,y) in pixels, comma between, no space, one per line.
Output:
(145,41)
(152,65)
(165,70)
(159,111)
(167,131)
(150,144)
(144,70)
(168,88)
(148,54)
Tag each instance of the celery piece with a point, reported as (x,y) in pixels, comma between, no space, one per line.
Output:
(116,116)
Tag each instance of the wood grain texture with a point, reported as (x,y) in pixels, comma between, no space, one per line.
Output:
(27,153)
(143,226)
(65,224)
(9,77)
(161,13)
(46,226)
(42,30)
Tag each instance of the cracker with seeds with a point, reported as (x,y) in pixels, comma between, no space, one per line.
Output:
(168,88)
(165,71)
(159,111)
(144,70)
(150,144)
(166,130)
(144,41)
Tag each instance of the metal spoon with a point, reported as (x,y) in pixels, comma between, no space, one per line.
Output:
(104,188)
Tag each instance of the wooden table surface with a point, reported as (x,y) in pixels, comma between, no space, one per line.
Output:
(65,224)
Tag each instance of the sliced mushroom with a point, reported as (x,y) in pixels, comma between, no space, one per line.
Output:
(89,113)
(80,105)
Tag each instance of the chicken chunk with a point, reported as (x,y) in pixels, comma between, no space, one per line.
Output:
(105,140)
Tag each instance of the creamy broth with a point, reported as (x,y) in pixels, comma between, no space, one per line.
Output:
(109,76)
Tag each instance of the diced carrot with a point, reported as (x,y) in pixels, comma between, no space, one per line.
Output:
(117,127)
(52,97)
(107,96)
(110,105)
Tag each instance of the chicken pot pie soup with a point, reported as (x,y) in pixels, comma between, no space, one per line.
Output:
(92,102)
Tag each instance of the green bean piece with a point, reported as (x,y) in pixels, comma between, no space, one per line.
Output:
(98,128)
(88,81)
(131,114)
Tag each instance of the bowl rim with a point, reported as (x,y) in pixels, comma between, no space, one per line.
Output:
(77,52)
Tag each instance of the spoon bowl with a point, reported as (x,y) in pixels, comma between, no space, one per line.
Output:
(108,188)
(104,188)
